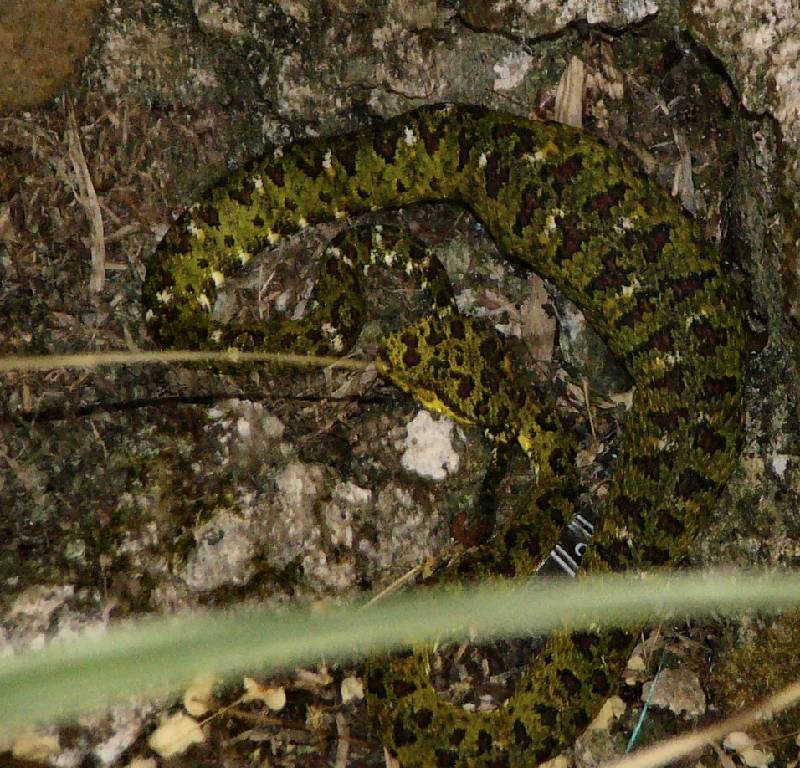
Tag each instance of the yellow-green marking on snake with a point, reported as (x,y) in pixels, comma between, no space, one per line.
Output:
(617,245)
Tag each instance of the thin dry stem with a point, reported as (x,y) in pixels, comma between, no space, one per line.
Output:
(96,359)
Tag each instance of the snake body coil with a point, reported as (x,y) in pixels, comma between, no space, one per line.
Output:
(617,245)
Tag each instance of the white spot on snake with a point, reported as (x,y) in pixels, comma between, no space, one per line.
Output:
(340,214)
(302,222)
(336,340)
(629,290)
(243,256)
(410,138)
(429,449)
(216,335)
(694,318)
(327,161)
(258,183)
(165,296)
(217,277)
(149,315)
(273,237)
(482,160)
(780,463)
(203,301)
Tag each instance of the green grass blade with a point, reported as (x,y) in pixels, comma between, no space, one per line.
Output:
(155,656)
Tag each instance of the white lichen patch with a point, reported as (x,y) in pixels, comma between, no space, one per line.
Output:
(294,530)
(35,611)
(429,447)
(510,71)
(347,498)
(272,427)
(408,532)
(338,575)
(126,725)
(223,553)
(347,502)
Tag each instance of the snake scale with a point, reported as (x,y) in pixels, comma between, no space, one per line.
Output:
(617,245)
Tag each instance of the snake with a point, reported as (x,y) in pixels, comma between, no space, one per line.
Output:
(611,239)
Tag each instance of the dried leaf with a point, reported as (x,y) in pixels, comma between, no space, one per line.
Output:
(569,96)
(175,735)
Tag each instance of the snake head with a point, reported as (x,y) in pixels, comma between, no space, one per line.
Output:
(456,366)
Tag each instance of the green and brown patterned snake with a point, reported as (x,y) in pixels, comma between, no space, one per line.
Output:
(613,242)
